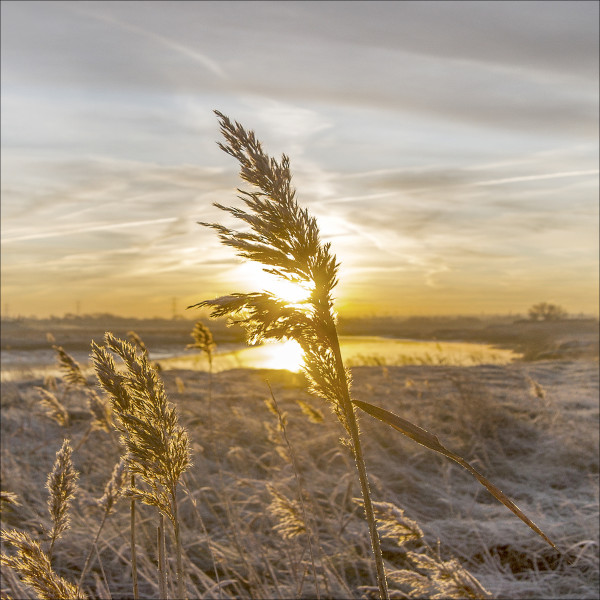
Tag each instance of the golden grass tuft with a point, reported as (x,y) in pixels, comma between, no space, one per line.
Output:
(33,566)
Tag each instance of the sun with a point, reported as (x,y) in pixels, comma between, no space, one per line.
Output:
(274,355)
(258,280)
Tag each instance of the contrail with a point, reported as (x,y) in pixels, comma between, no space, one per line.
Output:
(75,230)
(209,63)
(536,177)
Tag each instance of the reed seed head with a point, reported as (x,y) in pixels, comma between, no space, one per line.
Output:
(52,407)
(101,412)
(288,514)
(203,339)
(70,367)
(285,239)
(62,486)
(8,499)
(441,579)
(394,525)
(32,564)
(157,446)
(114,487)
(137,341)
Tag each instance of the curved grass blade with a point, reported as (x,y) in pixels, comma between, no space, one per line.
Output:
(423,437)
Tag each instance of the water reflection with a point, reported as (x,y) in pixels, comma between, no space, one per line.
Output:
(356,351)
(371,351)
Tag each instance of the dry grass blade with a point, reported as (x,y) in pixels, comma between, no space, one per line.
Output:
(33,566)
(431,441)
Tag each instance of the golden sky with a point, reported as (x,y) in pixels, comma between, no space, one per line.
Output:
(449,150)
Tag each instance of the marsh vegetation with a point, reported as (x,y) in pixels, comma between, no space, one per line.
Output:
(145,481)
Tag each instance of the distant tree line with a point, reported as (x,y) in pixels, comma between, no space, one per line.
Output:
(544,311)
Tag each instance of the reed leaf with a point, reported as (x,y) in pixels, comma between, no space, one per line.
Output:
(423,437)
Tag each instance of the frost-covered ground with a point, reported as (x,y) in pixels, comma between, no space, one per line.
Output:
(531,428)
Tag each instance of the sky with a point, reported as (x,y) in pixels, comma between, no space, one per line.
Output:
(449,150)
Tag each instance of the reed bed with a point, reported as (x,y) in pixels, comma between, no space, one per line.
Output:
(231,546)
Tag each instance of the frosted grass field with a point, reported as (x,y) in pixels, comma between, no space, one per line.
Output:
(530,427)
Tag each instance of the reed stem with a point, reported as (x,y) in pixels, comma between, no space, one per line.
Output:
(134,573)
(160,542)
(88,559)
(178,550)
(352,423)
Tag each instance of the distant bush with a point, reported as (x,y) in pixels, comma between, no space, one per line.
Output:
(544,311)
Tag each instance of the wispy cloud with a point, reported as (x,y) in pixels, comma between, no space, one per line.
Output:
(39,235)
(444,144)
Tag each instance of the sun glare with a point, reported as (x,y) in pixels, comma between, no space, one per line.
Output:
(274,355)
(257,280)
(283,355)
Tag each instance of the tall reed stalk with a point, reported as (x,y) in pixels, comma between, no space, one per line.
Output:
(204,341)
(157,446)
(285,239)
